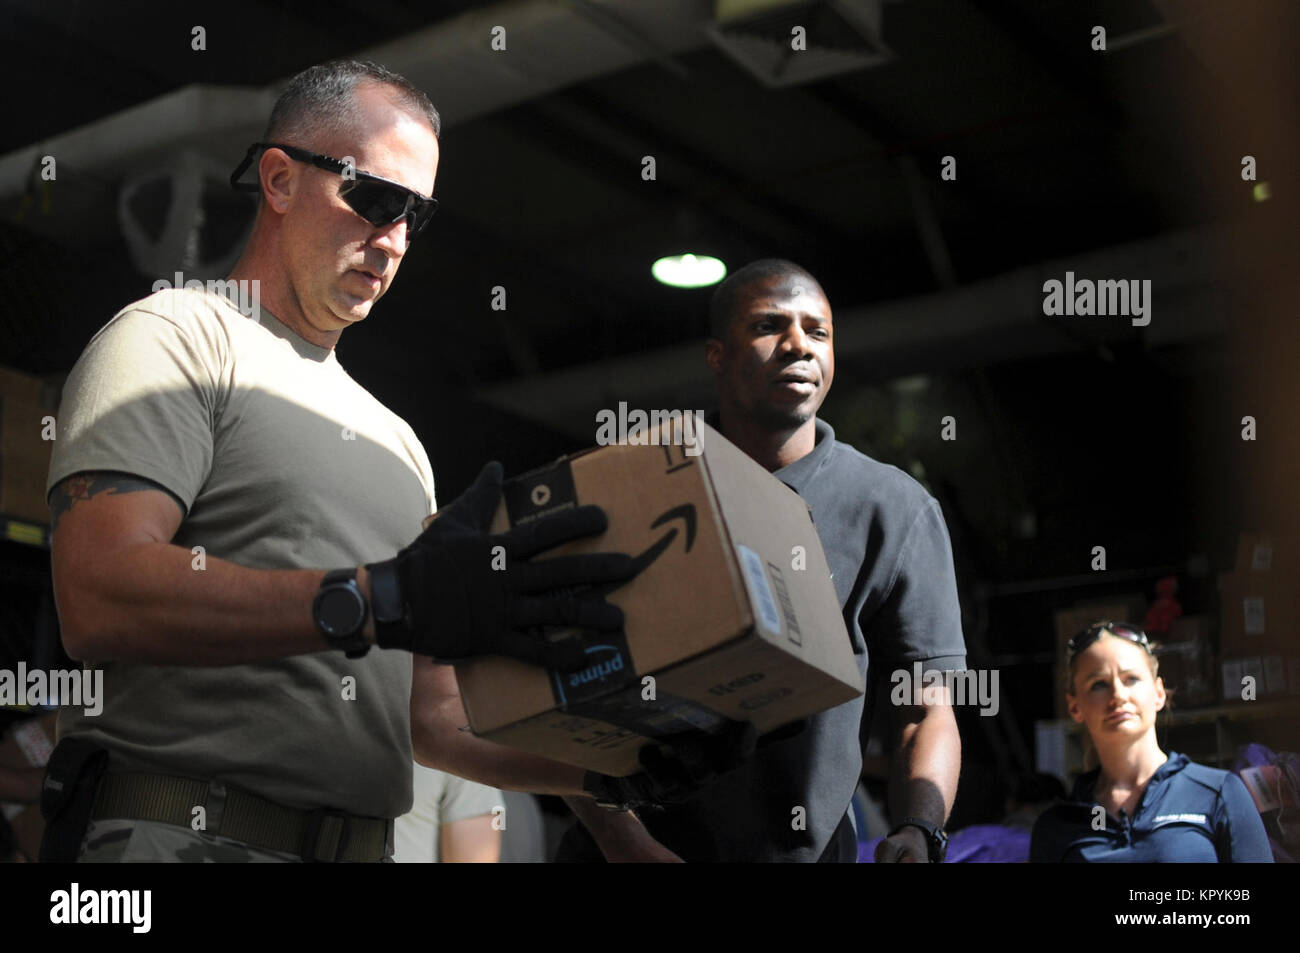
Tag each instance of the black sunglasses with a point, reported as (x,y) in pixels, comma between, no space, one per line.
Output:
(378,200)
(1093,632)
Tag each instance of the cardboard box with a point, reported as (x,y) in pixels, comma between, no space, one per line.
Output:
(1259,614)
(1236,670)
(1193,628)
(15,385)
(1186,669)
(1253,667)
(1232,687)
(730,619)
(1259,551)
(1274,676)
(1186,657)
(1070,622)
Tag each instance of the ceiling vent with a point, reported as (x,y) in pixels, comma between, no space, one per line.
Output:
(788,42)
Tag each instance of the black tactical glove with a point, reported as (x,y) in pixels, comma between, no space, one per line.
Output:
(674,772)
(452,594)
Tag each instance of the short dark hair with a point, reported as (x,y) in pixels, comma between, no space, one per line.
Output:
(320,100)
(727,296)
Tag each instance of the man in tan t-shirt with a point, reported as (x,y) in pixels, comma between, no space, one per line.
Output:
(227,503)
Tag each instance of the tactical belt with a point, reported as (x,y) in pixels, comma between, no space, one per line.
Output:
(320,835)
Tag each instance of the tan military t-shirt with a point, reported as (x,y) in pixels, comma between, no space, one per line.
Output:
(283,461)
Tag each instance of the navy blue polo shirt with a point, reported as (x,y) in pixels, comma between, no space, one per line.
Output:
(890,559)
(1188,814)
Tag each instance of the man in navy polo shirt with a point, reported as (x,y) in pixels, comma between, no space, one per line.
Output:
(772,352)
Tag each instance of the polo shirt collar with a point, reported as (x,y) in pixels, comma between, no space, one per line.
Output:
(799,474)
(1084,787)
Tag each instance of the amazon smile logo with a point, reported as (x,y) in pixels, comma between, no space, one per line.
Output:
(598,671)
(685,513)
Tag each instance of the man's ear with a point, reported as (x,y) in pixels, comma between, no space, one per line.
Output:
(279,179)
(713,352)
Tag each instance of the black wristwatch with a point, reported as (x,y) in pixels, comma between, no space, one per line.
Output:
(935,839)
(340,612)
(386,605)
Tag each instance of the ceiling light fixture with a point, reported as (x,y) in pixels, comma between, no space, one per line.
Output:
(689,271)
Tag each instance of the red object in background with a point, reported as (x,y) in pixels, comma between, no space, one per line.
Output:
(1160,617)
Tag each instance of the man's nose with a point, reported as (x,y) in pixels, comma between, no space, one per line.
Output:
(794,341)
(393,238)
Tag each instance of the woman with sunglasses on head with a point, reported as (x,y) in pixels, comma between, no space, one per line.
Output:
(1141,805)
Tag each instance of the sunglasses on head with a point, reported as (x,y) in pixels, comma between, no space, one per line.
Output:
(378,200)
(1093,632)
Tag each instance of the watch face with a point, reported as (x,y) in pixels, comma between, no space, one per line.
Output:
(340,611)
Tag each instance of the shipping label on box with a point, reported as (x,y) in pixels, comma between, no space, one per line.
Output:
(1252,678)
(1252,613)
(724,623)
(1254,552)
(1260,613)
(1274,675)
(1232,680)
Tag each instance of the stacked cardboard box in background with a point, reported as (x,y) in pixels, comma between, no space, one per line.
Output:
(1187,662)
(25,403)
(1260,615)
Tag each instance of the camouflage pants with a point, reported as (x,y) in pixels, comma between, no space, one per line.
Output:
(151,842)
(126,842)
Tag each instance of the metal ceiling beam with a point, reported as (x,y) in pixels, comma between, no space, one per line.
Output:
(1074,69)
(723,181)
(996,319)
(549,46)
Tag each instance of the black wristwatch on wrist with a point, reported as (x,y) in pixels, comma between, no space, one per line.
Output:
(386,605)
(340,612)
(936,840)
